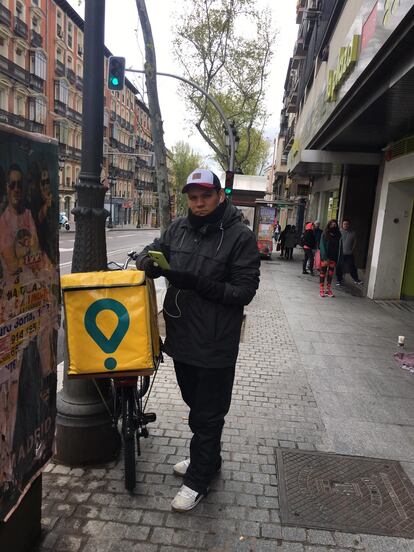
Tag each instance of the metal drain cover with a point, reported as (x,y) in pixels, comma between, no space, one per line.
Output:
(345,493)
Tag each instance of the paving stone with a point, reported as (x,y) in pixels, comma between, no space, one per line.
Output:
(348,540)
(68,543)
(162,535)
(320,537)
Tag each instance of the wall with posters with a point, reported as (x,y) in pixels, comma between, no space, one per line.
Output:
(29,309)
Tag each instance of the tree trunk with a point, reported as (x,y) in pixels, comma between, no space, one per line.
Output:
(155,114)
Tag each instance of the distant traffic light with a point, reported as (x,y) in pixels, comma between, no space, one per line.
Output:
(116,73)
(228,188)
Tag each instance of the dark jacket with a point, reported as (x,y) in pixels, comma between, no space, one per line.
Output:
(309,240)
(291,239)
(324,248)
(199,331)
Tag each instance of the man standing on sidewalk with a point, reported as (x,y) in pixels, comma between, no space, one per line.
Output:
(214,272)
(348,261)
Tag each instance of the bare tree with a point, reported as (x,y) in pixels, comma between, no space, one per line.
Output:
(155,115)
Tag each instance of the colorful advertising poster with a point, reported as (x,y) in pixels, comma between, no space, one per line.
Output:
(29,309)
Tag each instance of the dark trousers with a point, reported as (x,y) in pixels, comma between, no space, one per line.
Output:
(347,262)
(208,394)
(308,257)
(289,252)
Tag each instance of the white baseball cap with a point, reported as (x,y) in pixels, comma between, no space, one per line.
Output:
(204,178)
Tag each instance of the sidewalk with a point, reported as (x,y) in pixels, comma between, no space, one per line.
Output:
(313,374)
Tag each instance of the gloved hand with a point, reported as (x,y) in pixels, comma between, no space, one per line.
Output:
(181,279)
(149,267)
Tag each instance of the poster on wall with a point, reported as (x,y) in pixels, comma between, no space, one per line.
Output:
(29,309)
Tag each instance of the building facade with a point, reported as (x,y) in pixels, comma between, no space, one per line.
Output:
(41,82)
(351,132)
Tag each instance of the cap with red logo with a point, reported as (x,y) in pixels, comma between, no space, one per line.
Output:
(203,178)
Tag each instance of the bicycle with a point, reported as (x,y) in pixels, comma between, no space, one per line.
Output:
(128,393)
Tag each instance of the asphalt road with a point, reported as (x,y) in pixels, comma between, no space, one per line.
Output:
(118,245)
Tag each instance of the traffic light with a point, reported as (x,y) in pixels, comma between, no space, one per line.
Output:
(228,188)
(116,73)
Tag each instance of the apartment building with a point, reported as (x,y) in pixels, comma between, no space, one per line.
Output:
(41,82)
(352,130)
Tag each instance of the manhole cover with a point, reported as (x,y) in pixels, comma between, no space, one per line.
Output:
(345,493)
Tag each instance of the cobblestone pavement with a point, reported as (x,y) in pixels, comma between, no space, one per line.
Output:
(274,404)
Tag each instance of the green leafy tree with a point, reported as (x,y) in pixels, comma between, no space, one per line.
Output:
(216,51)
(184,161)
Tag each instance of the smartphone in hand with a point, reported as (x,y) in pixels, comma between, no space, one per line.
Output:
(160,259)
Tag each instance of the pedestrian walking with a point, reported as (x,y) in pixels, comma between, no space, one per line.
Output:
(291,240)
(318,232)
(331,254)
(214,272)
(348,260)
(308,244)
(282,239)
(276,232)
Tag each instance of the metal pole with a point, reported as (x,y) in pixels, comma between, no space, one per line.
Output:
(84,431)
(212,100)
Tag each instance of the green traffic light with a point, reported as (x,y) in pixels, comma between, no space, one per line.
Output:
(115,81)
(227,191)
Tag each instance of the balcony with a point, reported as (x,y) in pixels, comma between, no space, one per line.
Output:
(14,71)
(59,69)
(36,39)
(60,108)
(74,153)
(20,28)
(20,122)
(79,82)
(71,75)
(36,83)
(74,115)
(5,16)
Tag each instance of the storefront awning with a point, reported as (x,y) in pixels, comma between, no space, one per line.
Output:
(316,162)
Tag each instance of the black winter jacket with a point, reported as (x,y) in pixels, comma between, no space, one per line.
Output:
(199,331)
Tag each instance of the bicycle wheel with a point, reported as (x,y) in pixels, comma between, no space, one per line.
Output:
(143,384)
(128,432)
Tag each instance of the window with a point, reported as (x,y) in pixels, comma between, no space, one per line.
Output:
(61,91)
(79,70)
(20,10)
(35,24)
(59,55)
(70,99)
(35,2)
(68,176)
(20,56)
(20,105)
(70,62)
(61,132)
(38,64)
(37,110)
(70,35)
(4,46)
(59,24)
(4,99)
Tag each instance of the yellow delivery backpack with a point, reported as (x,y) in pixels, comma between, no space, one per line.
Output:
(111,323)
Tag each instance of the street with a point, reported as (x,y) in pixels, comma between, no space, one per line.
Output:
(119,242)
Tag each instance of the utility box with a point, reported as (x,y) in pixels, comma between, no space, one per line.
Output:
(29,321)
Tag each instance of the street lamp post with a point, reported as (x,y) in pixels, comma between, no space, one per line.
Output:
(139,209)
(111,181)
(84,432)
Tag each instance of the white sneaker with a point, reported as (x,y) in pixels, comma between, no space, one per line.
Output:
(186,499)
(181,467)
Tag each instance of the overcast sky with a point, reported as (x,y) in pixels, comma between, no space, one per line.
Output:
(121,38)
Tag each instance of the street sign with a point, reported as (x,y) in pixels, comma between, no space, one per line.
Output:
(111,322)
